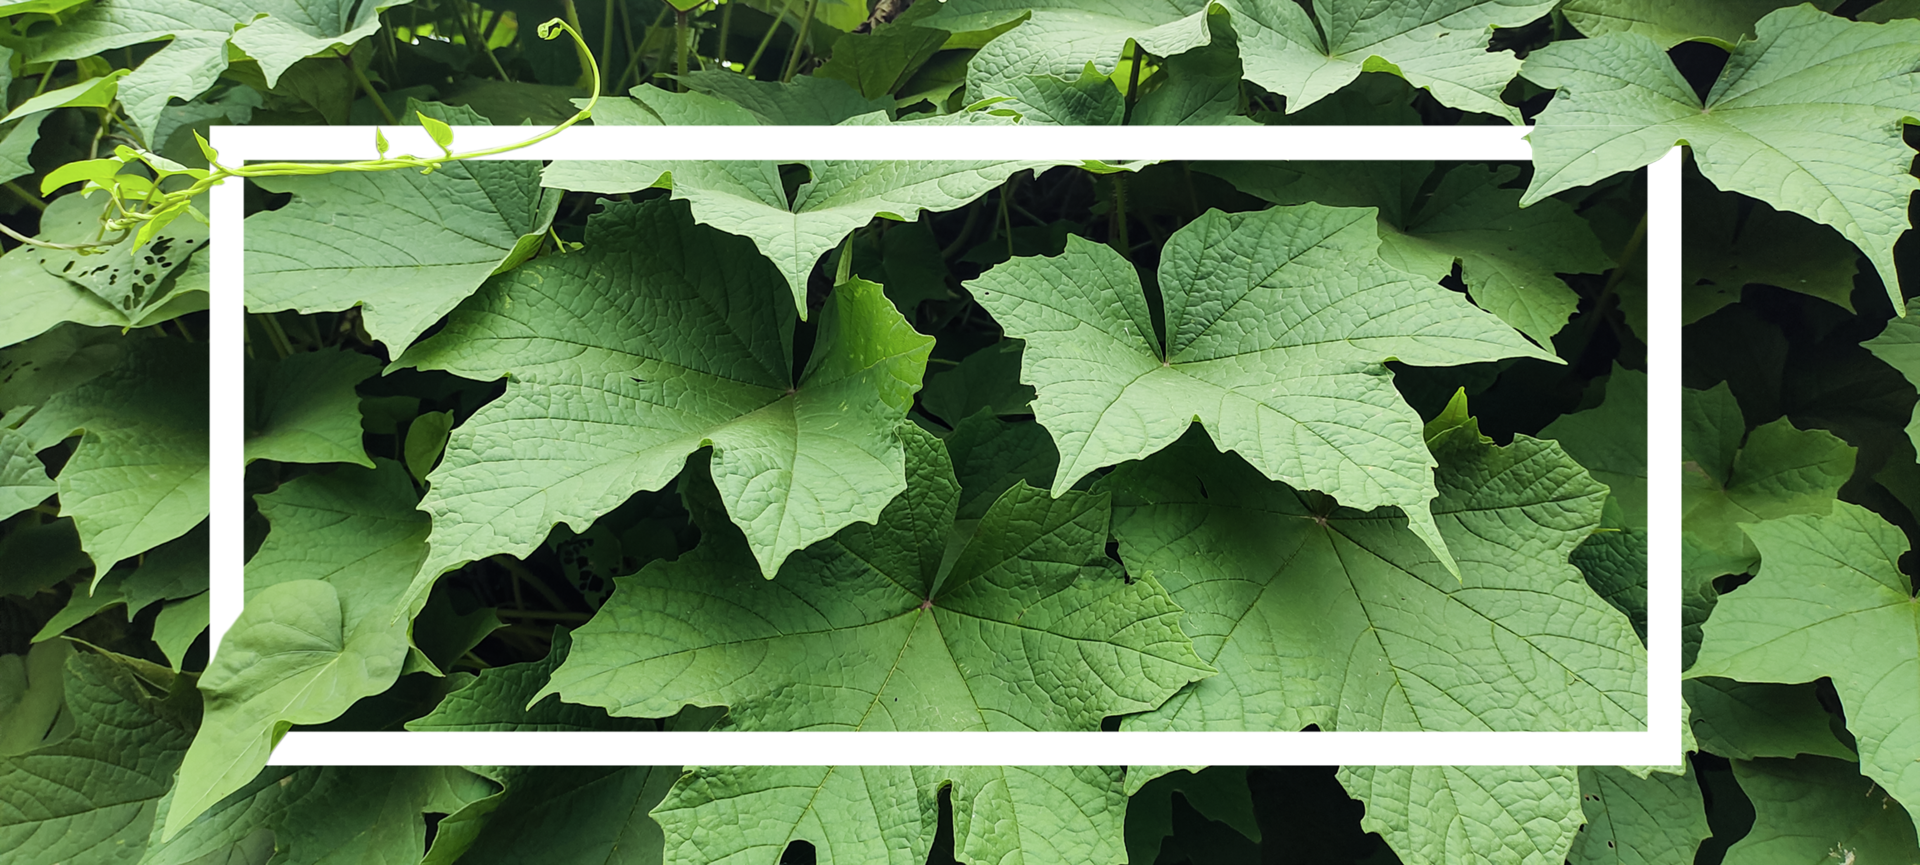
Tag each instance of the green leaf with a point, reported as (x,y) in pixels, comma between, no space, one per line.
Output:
(1898,346)
(1218,792)
(1828,585)
(991,455)
(1278,325)
(303,408)
(1200,87)
(880,62)
(929,625)
(987,379)
(91,797)
(1437,815)
(1779,470)
(346,238)
(277,33)
(807,100)
(702,358)
(1438,45)
(39,301)
(1745,720)
(133,281)
(35,556)
(311,816)
(1323,615)
(1732,241)
(650,106)
(1610,442)
(1633,820)
(426,441)
(1723,22)
(321,627)
(438,130)
(16,147)
(23,479)
(557,815)
(91,93)
(33,698)
(1816,810)
(1807,118)
(1039,815)
(748,198)
(1509,258)
(179,624)
(139,476)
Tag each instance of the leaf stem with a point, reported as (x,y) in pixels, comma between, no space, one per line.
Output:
(680,49)
(606,35)
(1133,85)
(366,87)
(767,37)
(726,28)
(799,41)
(26,196)
(275,335)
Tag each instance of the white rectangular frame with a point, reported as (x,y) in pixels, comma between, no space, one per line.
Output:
(1659,745)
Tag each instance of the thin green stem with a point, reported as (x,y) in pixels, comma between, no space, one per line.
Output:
(799,41)
(681,42)
(1120,217)
(366,87)
(767,37)
(28,197)
(281,345)
(474,40)
(726,29)
(646,37)
(1133,86)
(580,43)
(606,32)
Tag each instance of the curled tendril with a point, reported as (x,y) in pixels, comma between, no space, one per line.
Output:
(160,208)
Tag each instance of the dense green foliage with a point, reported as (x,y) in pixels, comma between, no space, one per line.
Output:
(911,445)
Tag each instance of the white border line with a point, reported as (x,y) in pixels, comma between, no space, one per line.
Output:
(1659,745)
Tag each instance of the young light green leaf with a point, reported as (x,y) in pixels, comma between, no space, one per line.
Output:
(1438,815)
(438,130)
(1040,815)
(1323,615)
(1806,117)
(91,93)
(1828,584)
(921,640)
(748,198)
(1817,810)
(1278,323)
(347,238)
(303,408)
(139,476)
(321,626)
(90,797)
(1509,258)
(1634,820)
(795,460)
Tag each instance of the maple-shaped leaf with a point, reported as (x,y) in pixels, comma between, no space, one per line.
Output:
(277,33)
(1806,117)
(1745,720)
(321,627)
(1439,815)
(1037,815)
(1723,22)
(1304,55)
(139,475)
(1610,442)
(912,623)
(660,338)
(1322,615)
(347,239)
(1659,817)
(1278,327)
(1831,600)
(1509,258)
(749,198)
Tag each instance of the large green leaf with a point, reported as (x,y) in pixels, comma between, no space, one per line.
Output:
(1508,257)
(38,300)
(1899,347)
(1778,470)
(1635,820)
(278,33)
(322,816)
(1278,324)
(601,406)
(91,797)
(1815,811)
(913,623)
(1439,815)
(1321,615)
(1830,600)
(322,626)
(303,408)
(1610,442)
(1722,22)
(1732,241)
(139,476)
(1745,720)
(748,198)
(1807,117)
(1039,815)
(346,239)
